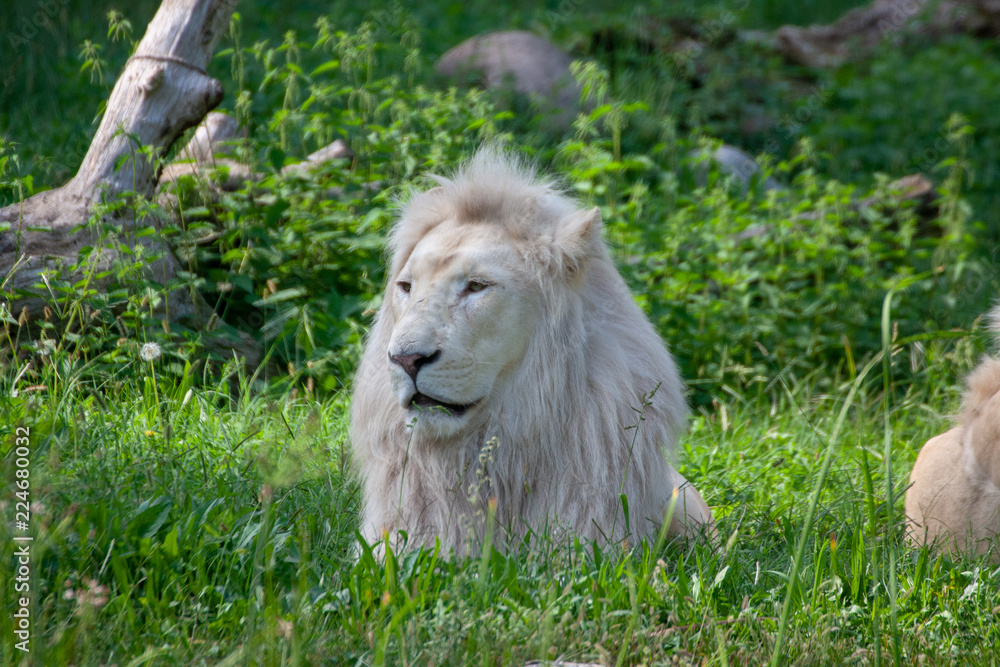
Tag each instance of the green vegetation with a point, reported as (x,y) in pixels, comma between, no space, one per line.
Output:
(191,512)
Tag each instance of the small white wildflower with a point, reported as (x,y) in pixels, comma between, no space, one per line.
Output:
(150,352)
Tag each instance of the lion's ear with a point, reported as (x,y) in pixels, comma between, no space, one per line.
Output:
(578,237)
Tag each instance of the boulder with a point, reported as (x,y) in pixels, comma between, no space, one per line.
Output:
(518,61)
(735,163)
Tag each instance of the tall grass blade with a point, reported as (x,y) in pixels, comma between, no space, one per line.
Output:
(800,549)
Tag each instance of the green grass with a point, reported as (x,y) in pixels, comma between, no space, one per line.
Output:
(184,513)
(189,527)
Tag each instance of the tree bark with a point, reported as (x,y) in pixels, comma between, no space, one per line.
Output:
(162,91)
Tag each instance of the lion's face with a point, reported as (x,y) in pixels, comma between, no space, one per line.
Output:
(464,317)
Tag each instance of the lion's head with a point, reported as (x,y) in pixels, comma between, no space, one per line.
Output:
(465,304)
(504,321)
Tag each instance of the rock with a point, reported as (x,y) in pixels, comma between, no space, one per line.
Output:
(733,162)
(525,63)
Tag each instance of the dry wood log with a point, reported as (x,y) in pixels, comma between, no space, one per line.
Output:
(859,31)
(207,159)
(162,91)
(203,157)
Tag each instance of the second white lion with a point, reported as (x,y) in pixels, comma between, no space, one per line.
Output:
(505,367)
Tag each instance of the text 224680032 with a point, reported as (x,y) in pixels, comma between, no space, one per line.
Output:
(22,551)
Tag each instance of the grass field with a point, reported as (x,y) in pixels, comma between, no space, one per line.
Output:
(186,512)
(175,525)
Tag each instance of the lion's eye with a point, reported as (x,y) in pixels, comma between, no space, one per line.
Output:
(476,286)
(404,286)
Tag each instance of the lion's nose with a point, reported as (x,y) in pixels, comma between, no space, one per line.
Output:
(412,363)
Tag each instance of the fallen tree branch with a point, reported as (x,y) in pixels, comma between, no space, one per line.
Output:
(861,30)
(162,91)
(201,157)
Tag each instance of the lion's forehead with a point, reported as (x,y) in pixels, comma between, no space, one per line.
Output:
(455,250)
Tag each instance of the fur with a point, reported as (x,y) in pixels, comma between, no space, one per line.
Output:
(954,494)
(551,448)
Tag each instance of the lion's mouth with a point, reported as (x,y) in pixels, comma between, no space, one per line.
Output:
(425,402)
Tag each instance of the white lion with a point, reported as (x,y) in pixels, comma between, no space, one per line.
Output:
(506,372)
(954,495)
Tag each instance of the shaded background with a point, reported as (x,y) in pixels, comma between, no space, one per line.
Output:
(883,114)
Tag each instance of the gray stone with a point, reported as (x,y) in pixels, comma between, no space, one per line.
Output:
(737,164)
(520,61)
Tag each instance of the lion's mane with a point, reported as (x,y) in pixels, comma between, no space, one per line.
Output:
(556,450)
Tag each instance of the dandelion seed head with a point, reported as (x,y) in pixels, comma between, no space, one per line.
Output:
(150,352)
